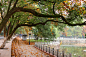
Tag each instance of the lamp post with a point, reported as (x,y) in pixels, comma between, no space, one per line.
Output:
(29,38)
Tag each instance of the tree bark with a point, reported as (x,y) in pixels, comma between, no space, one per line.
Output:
(4,31)
(8,29)
(5,40)
(4,43)
(21,9)
(6,18)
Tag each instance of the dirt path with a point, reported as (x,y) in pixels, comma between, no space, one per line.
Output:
(20,49)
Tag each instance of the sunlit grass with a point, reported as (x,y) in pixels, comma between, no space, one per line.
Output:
(75,51)
(32,40)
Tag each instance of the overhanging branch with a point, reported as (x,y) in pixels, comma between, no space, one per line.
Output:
(19,9)
(42,23)
(19,25)
(15,3)
(1,14)
(9,6)
(53,8)
(80,24)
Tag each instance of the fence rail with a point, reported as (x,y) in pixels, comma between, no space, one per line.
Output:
(52,51)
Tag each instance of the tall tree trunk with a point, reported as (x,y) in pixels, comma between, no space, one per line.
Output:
(8,29)
(5,40)
(6,18)
(4,43)
(4,31)
(8,32)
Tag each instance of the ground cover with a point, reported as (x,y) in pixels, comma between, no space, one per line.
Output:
(74,50)
(32,40)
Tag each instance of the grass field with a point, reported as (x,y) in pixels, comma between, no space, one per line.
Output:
(32,40)
(75,51)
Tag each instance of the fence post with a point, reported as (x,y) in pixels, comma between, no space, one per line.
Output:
(47,42)
(49,50)
(62,53)
(66,55)
(70,55)
(39,46)
(43,47)
(35,44)
(46,48)
(53,51)
(57,52)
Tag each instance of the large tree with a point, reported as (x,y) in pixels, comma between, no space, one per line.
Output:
(15,6)
(51,10)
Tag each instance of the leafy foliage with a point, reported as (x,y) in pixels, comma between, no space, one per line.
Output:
(44,31)
(74,13)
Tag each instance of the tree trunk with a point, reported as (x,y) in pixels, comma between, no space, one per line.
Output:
(6,18)
(5,40)
(36,38)
(4,43)
(4,31)
(8,32)
(41,38)
(8,29)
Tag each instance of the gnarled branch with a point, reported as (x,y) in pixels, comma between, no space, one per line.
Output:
(15,3)
(9,6)
(53,8)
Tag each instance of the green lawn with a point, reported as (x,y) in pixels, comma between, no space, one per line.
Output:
(75,51)
(32,40)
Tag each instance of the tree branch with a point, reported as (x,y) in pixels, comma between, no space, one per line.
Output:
(77,24)
(1,14)
(53,8)
(15,3)
(9,6)
(39,23)
(8,29)
(19,9)
(19,25)
(80,24)
(44,0)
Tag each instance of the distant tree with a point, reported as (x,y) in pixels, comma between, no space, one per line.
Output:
(44,31)
(74,31)
(84,31)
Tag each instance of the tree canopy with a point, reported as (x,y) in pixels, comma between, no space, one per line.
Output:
(28,12)
(17,13)
(34,12)
(52,9)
